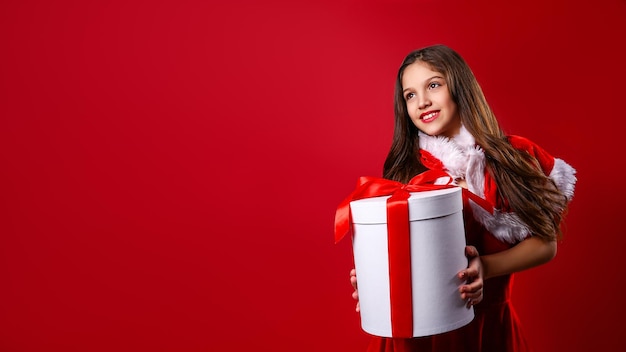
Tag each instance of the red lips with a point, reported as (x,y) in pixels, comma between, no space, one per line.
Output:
(427,113)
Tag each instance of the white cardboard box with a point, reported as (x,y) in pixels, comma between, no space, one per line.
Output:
(437,242)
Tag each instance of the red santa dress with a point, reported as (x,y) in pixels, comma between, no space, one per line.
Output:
(495,327)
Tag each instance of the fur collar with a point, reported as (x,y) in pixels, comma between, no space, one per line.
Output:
(463,159)
(460,156)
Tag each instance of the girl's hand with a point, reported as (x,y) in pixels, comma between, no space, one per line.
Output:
(355,294)
(472,290)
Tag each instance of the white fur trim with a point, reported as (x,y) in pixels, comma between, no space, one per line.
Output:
(450,151)
(564,176)
(464,139)
(506,227)
(447,152)
(475,174)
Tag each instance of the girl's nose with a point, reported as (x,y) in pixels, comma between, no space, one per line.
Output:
(424,102)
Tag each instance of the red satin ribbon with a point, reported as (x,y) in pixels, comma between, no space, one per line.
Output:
(398,239)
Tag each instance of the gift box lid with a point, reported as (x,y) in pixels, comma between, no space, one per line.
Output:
(422,205)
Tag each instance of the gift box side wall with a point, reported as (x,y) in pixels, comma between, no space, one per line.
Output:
(437,254)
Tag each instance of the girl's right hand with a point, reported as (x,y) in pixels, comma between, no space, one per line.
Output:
(355,294)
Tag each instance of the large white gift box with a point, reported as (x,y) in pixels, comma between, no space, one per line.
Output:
(436,246)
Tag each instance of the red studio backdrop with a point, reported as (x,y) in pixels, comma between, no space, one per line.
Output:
(170,170)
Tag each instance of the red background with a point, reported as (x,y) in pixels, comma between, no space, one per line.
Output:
(171,169)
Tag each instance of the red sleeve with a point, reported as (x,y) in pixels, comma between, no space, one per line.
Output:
(545,159)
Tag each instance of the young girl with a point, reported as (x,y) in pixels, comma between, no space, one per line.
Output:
(443,122)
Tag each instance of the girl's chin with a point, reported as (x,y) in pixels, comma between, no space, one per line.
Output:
(431,131)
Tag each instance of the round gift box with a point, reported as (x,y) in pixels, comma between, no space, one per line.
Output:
(437,247)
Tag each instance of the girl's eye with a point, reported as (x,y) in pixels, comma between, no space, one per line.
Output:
(432,85)
(409,96)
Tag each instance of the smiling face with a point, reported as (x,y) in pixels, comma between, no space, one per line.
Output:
(428,101)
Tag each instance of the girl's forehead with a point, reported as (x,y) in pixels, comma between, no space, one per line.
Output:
(420,70)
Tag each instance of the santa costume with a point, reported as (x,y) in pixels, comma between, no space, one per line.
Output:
(495,326)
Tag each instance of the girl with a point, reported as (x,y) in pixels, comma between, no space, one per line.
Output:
(443,122)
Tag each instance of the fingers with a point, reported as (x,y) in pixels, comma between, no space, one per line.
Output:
(471,303)
(472,291)
(355,294)
(353,278)
(473,283)
(473,299)
(473,294)
(471,251)
(469,274)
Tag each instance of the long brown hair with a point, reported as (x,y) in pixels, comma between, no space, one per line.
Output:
(532,195)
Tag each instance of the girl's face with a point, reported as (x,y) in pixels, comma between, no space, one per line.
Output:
(428,101)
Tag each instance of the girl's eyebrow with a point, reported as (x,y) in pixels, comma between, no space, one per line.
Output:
(428,80)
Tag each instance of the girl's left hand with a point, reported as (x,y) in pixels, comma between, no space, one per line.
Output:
(472,290)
